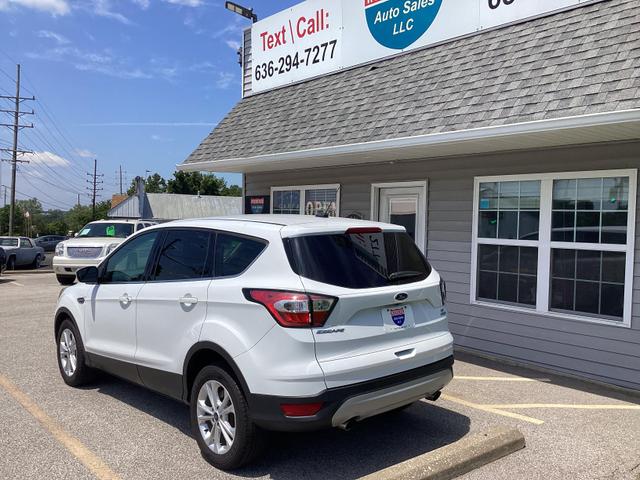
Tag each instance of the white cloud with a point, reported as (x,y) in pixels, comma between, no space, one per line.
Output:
(102,8)
(84,153)
(143,4)
(202,67)
(45,158)
(233,44)
(59,39)
(54,7)
(149,124)
(225,80)
(186,3)
(104,62)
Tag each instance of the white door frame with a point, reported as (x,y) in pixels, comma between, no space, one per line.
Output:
(421,225)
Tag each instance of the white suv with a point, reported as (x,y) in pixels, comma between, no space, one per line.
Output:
(262,323)
(91,245)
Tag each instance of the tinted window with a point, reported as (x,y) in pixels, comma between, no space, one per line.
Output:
(358,261)
(129,262)
(234,254)
(106,229)
(8,242)
(184,256)
(25,243)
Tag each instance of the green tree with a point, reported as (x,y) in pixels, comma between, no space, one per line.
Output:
(233,191)
(152,184)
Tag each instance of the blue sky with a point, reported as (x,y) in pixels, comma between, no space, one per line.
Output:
(137,83)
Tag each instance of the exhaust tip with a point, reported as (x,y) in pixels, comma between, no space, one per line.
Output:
(434,396)
(348,425)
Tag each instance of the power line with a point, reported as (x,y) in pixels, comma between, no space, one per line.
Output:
(17,114)
(42,192)
(94,186)
(30,197)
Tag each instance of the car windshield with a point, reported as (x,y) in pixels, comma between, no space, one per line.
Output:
(358,260)
(8,242)
(105,229)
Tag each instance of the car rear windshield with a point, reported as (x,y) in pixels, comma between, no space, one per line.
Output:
(358,260)
(105,229)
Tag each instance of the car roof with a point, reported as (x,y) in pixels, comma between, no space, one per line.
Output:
(117,220)
(289,225)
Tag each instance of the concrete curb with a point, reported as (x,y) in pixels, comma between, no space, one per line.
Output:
(451,461)
(28,272)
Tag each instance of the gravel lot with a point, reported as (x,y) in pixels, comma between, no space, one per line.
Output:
(573,429)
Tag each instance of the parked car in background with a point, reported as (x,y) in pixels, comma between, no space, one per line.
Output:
(92,243)
(21,252)
(285,323)
(3,260)
(49,242)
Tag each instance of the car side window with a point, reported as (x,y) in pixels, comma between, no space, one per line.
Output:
(184,256)
(25,243)
(129,262)
(234,254)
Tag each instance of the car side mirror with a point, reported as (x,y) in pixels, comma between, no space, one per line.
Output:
(88,275)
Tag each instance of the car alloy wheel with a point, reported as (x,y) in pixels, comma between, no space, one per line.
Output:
(68,351)
(216,417)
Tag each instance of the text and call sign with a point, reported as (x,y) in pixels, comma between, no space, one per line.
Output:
(318,37)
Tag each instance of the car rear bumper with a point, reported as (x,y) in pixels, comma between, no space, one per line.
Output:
(354,402)
(69,266)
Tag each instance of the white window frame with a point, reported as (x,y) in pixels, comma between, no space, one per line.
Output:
(302,189)
(545,245)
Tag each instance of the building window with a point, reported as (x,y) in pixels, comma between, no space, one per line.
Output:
(306,200)
(559,244)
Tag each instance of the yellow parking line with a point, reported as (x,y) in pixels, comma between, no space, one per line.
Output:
(75,447)
(491,409)
(517,406)
(500,379)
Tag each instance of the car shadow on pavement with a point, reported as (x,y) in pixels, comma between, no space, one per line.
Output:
(553,379)
(371,445)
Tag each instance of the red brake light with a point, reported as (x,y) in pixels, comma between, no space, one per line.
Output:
(294,309)
(362,230)
(300,409)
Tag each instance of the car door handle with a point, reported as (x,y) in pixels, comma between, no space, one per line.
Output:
(188,300)
(404,354)
(125,299)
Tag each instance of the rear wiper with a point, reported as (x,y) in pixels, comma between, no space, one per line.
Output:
(404,274)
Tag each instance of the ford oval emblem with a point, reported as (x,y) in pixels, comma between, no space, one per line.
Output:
(401,297)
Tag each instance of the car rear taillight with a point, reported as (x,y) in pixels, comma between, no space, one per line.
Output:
(443,290)
(294,309)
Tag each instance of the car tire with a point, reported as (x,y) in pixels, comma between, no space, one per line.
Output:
(71,356)
(213,433)
(65,279)
(36,262)
(11,263)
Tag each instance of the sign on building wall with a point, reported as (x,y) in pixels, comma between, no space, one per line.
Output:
(318,37)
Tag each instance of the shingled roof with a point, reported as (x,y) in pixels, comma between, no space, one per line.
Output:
(583,61)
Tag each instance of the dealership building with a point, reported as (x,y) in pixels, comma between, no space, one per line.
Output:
(503,134)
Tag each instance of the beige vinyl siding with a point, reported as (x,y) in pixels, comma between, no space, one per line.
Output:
(602,352)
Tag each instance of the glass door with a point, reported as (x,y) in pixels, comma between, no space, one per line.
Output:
(403,205)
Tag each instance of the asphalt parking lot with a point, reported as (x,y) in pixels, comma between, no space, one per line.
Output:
(116,430)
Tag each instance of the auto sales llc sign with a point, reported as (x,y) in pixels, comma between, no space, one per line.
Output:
(318,37)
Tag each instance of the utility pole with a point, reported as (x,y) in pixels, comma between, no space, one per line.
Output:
(120,179)
(16,126)
(94,182)
(78,199)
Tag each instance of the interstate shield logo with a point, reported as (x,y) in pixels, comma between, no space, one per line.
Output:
(398,24)
(398,316)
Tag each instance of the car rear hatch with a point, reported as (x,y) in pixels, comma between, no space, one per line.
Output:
(389,314)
